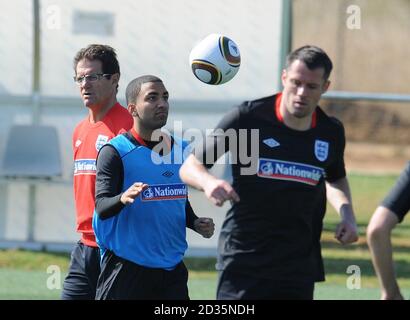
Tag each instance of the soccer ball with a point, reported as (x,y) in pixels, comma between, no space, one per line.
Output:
(215,59)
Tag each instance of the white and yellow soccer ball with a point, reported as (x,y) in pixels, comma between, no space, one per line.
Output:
(215,59)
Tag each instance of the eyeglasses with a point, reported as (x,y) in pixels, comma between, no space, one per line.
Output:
(91,77)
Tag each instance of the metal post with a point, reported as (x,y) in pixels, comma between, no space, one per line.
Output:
(36,63)
(340,44)
(286,38)
(36,116)
(31,211)
(4,188)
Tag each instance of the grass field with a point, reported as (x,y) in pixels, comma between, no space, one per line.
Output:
(23,274)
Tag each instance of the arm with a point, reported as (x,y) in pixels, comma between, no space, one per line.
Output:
(392,211)
(109,178)
(378,238)
(338,194)
(193,173)
(204,226)
(190,216)
(109,200)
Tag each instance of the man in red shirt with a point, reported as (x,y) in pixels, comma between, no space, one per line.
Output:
(97,73)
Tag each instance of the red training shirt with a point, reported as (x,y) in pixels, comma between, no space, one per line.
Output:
(88,138)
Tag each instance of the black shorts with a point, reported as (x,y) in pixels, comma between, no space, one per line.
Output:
(81,281)
(121,279)
(237,286)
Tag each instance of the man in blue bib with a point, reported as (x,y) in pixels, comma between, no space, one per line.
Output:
(142,208)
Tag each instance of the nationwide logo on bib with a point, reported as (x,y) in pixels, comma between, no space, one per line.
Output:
(165,192)
(292,171)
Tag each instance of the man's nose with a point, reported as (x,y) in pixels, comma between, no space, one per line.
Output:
(163,103)
(85,83)
(301,90)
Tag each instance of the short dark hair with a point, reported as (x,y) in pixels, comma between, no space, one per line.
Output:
(313,57)
(100,52)
(134,87)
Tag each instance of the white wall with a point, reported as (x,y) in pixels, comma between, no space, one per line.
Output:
(151,37)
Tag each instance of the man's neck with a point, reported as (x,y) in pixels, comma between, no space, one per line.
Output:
(161,143)
(97,113)
(299,124)
(144,133)
(295,123)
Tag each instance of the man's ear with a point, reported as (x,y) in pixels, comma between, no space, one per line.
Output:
(132,109)
(283,77)
(326,86)
(115,78)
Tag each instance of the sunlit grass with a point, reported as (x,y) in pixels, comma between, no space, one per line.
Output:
(23,274)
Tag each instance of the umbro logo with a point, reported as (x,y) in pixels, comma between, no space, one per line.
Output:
(168,174)
(271,142)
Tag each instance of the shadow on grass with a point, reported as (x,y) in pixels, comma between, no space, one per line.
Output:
(360,246)
(200,264)
(401,228)
(332,265)
(340,265)
(44,252)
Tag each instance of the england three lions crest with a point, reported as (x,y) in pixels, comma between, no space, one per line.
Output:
(321,150)
(101,140)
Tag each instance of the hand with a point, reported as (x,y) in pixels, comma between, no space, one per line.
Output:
(218,191)
(205,227)
(132,192)
(346,232)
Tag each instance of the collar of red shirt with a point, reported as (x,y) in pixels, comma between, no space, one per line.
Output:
(279,115)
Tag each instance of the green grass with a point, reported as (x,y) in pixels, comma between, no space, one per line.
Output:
(32,260)
(367,192)
(23,274)
(26,285)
